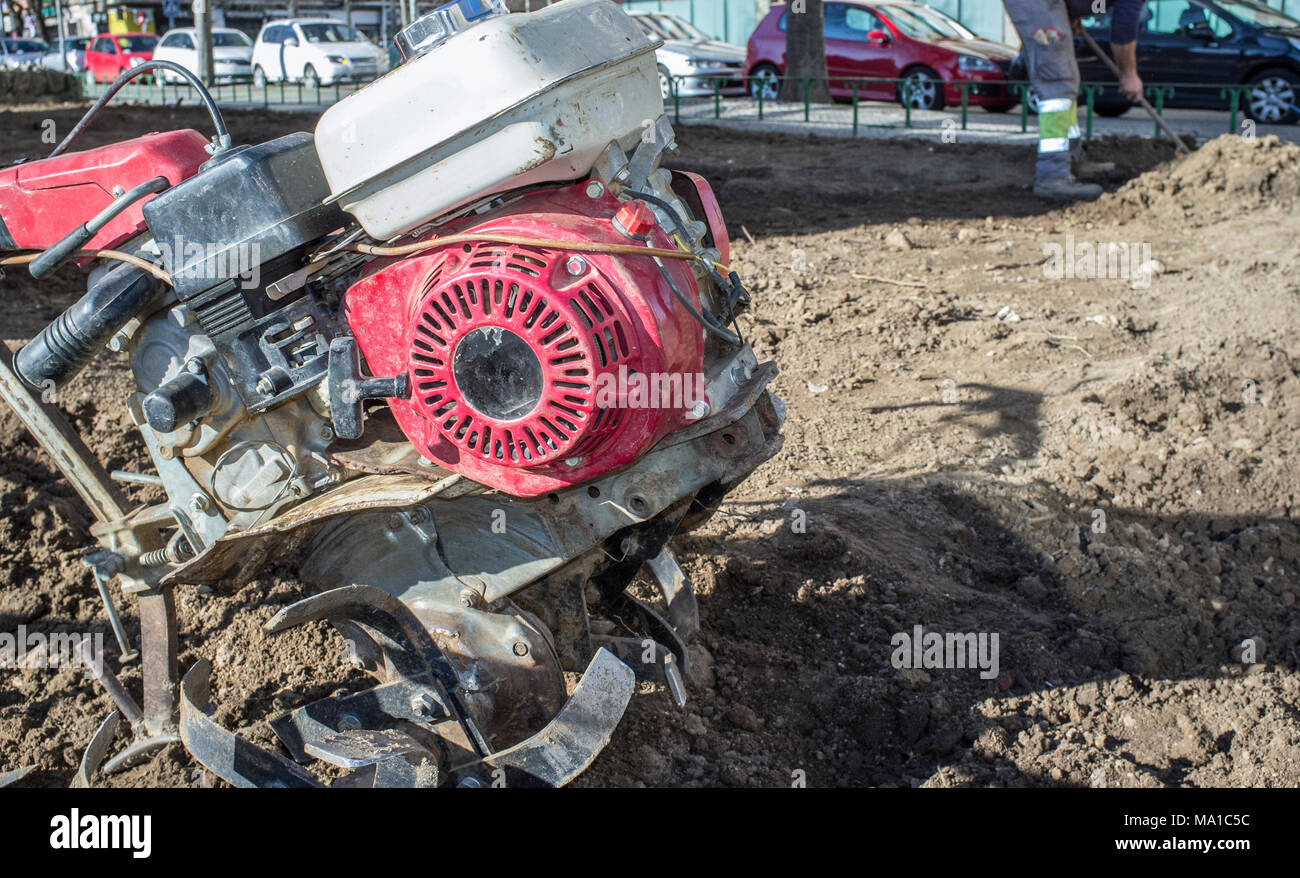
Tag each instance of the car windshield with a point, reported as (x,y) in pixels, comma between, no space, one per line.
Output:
(78,44)
(331,33)
(1257,13)
(142,43)
(25,46)
(650,27)
(947,26)
(912,24)
(231,38)
(675,28)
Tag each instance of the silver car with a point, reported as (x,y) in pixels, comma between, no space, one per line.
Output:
(697,63)
(21,52)
(73,57)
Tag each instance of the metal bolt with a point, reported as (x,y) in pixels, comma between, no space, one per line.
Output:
(349,721)
(576,266)
(264,386)
(199,504)
(422,705)
(521,648)
(395,521)
(573,461)
(469,598)
(595,189)
(326,433)
(194,366)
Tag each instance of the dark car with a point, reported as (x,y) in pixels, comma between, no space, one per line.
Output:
(1198,47)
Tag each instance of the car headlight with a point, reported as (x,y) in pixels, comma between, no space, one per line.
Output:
(975,62)
(336,59)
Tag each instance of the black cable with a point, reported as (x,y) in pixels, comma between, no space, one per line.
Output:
(222,138)
(667,208)
(711,323)
(702,316)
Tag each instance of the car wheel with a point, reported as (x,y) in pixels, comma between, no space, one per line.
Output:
(310,78)
(1031,101)
(1272,97)
(259,77)
(926,89)
(765,80)
(665,83)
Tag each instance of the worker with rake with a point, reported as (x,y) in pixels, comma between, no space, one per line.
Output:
(1045,28)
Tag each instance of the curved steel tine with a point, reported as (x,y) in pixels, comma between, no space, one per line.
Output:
(359,600)
(223,753)
(12,777)
(574,738)
(95,751)
(136,751)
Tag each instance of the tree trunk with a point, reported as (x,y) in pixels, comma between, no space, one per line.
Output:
(805,52)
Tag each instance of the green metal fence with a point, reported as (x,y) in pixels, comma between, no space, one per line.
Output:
(904,89)
(240,93)
(314,95)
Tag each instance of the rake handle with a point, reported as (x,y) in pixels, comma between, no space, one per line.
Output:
(1142,101)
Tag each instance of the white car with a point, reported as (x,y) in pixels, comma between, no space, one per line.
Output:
(314,51)
(698,63)
(232,53)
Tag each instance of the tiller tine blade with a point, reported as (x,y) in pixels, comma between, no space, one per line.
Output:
(229,757)
(376,608)
(571,741)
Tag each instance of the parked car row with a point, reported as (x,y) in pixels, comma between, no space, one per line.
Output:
(1197,46)
(307,50)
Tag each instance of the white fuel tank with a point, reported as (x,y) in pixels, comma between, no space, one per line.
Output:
(512,101)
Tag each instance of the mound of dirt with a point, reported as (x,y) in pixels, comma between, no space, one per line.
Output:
(1225,177)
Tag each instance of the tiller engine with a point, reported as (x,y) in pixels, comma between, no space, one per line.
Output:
(468,353)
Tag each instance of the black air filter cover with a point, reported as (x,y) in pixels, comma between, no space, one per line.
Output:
(253,203)
(247,220)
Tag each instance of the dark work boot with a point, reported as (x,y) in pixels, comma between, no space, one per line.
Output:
(1065,188)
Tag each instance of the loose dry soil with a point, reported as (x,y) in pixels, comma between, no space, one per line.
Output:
(1099,471)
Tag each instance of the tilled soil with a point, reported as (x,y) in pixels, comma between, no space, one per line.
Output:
(1097,471)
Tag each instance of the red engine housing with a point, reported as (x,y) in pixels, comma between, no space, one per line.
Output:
(534,369)
(42,201)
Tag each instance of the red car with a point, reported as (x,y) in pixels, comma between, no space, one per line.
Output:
(891,40)
(109,54)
